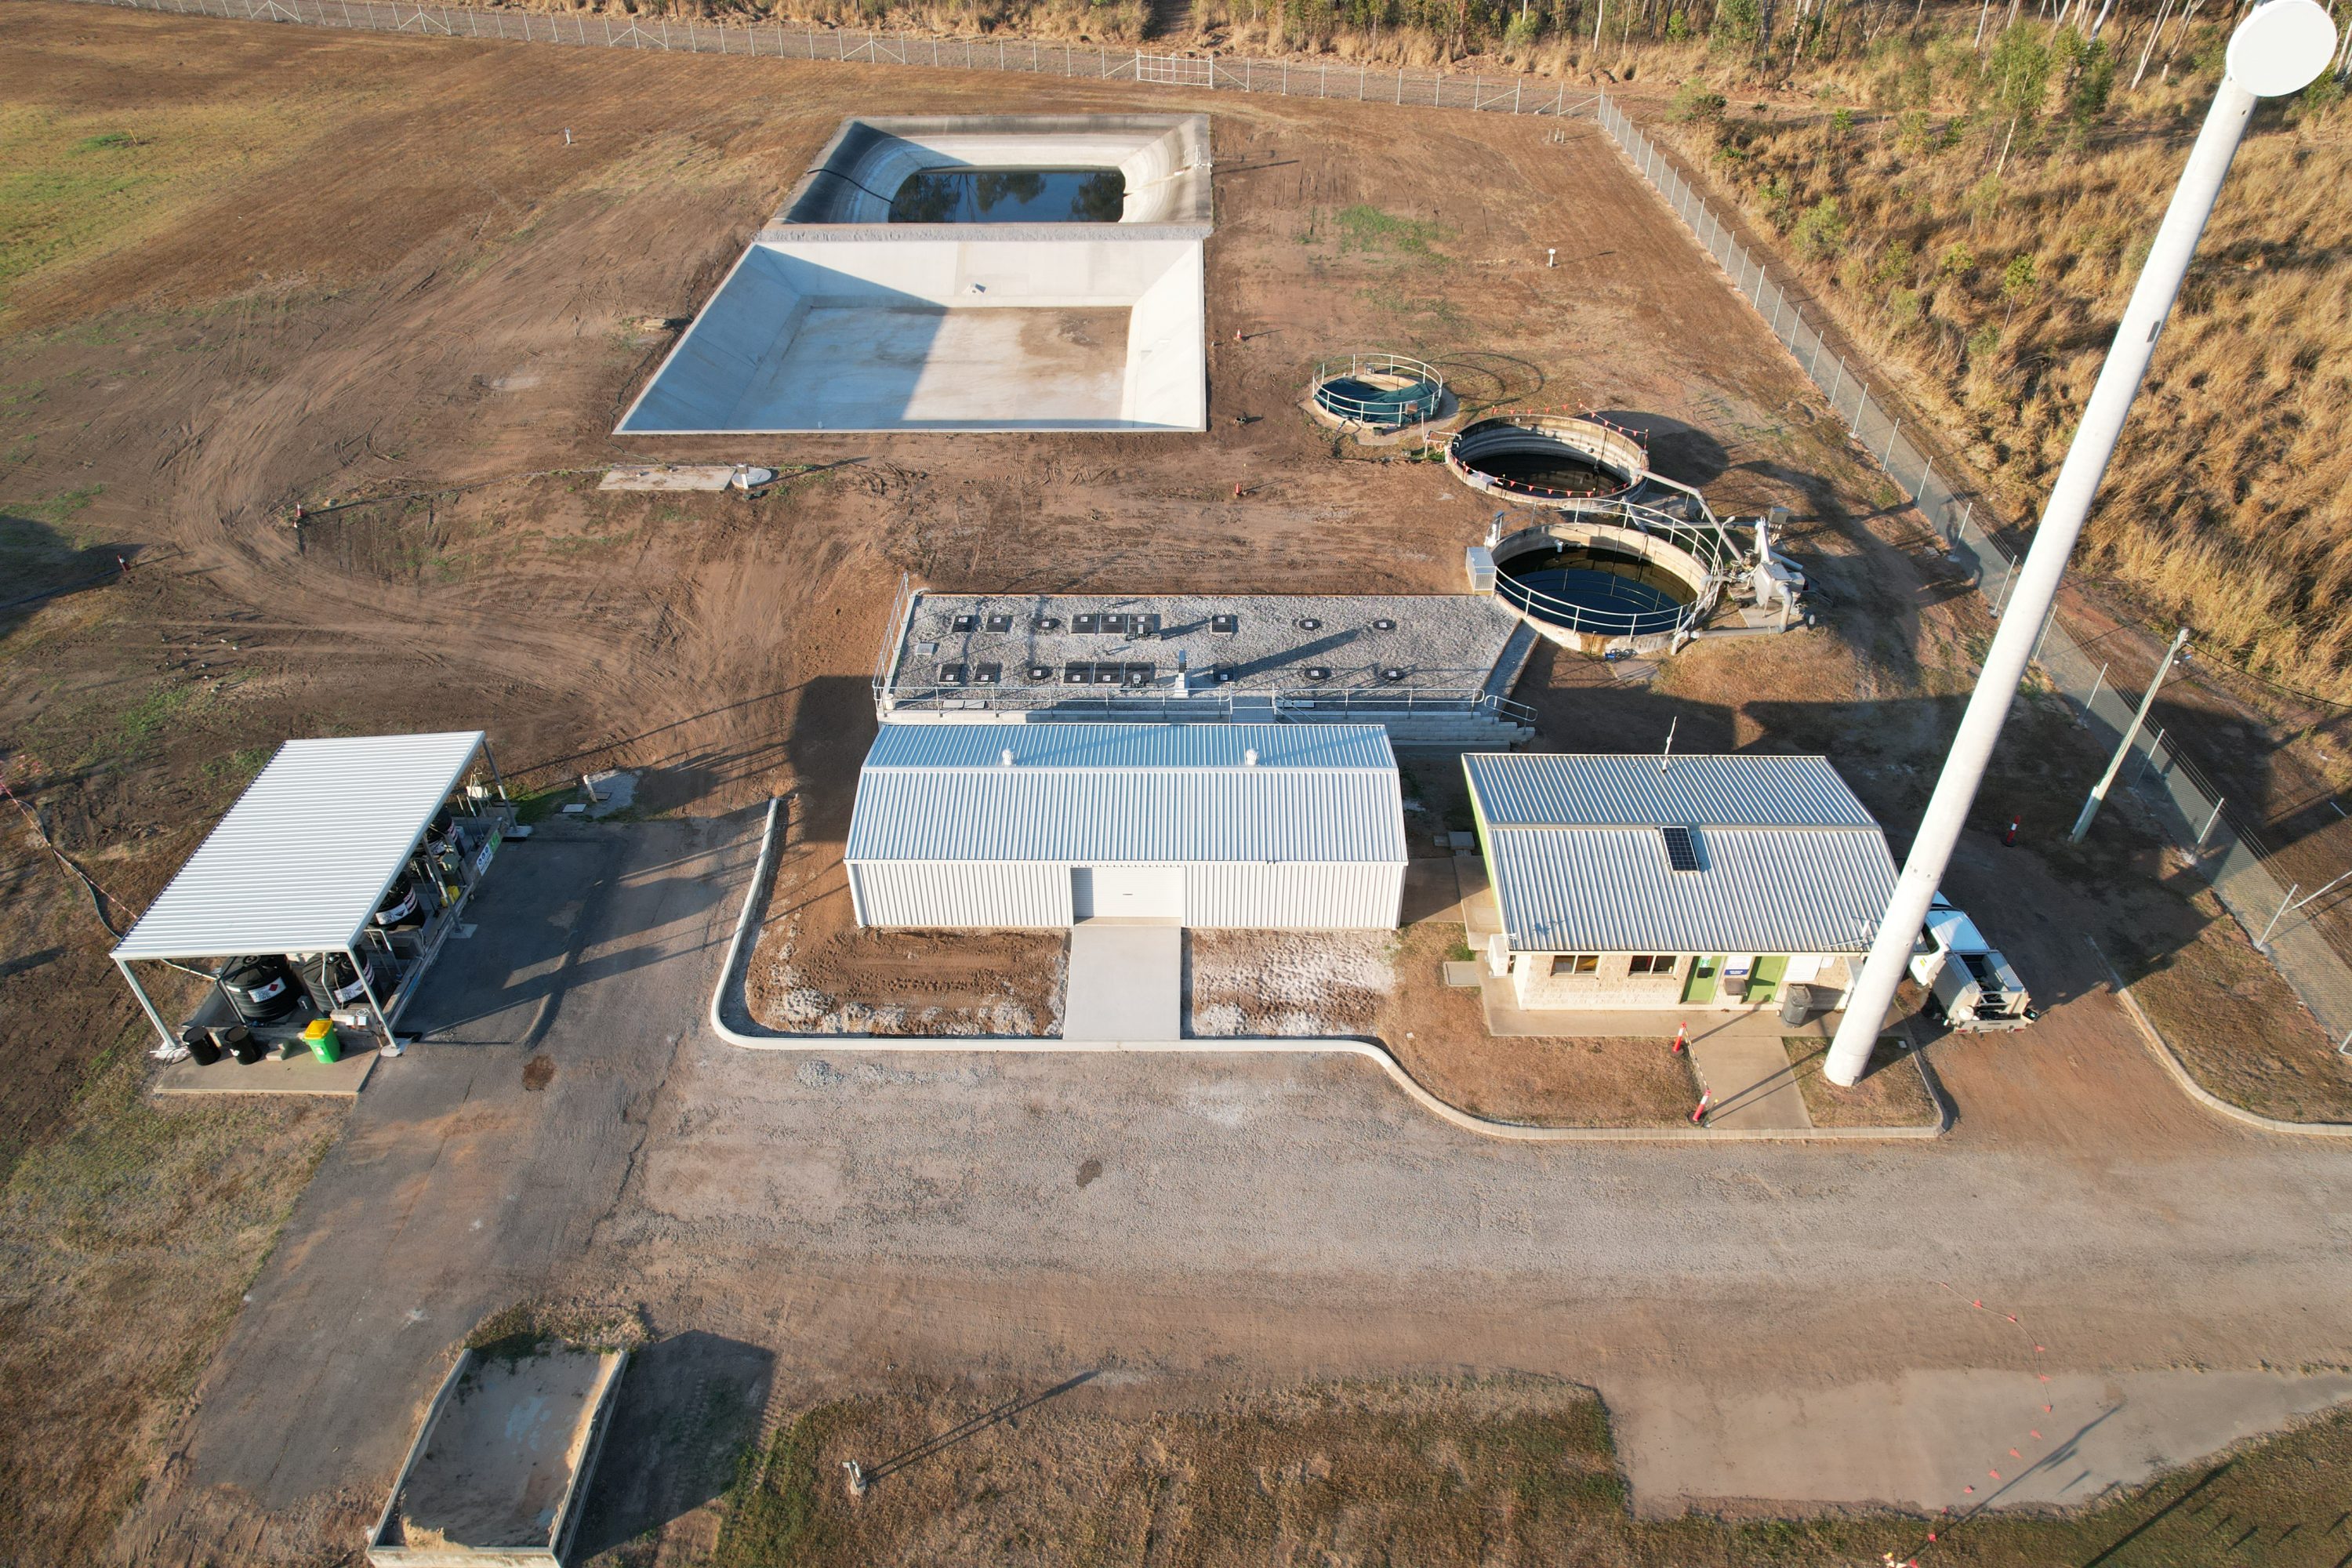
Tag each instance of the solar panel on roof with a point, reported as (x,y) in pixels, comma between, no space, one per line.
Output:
(1682,853)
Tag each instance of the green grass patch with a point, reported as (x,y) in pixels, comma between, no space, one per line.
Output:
(74,184)
(150,717)
(1371,231)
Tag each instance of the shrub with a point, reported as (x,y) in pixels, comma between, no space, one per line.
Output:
(1820,232)
(1695,102)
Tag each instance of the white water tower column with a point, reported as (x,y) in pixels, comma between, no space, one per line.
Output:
(2280,48)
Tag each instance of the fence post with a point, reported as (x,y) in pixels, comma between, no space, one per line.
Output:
(1840,381)
(2090,702)
(2202,831)
(1887,455)
(2007,578)
(2147,757)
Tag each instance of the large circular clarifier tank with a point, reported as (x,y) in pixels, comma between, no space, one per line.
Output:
(1563,462)
(1607,584)
(1590,584)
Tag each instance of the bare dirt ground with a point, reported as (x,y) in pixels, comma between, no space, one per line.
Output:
(1891,1093)
(339,267)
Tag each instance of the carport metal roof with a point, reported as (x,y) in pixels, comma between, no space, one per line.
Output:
(309,849)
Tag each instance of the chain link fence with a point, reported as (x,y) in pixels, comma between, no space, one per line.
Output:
(2188,807)
(2186,804)
(1086,62)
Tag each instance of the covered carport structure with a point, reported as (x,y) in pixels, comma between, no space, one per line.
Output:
(309,853)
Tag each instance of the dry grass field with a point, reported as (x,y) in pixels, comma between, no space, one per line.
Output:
(249,268)
(1111,1468)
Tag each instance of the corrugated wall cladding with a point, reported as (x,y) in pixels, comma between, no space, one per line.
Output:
(1522,789)
(1128,746)
(1112,815)
(961,893)
(1292,896)
(1608,889)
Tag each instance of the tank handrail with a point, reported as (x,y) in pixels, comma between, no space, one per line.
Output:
(1418,407)
(1702,541)
(1543,607)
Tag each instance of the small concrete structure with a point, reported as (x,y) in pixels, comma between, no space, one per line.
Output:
(1266,826)
(1681,882)
(838,318)
(1433,670)
(495,1474)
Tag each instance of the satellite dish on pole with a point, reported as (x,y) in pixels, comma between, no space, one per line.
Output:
(2280,48)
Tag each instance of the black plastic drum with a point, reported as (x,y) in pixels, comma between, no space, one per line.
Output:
(201,1049)
(404,907)
(261,989)
(334,983)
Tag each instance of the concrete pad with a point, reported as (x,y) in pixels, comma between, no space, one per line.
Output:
(1922,1439)
(1462,974)
(1431,891)
(305,1074)
(1125,981)
(1749,1076)
(701,477)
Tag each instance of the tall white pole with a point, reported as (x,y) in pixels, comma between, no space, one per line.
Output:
(2280,47)
(2098,794)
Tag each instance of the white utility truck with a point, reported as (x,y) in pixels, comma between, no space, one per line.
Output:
(1969,985)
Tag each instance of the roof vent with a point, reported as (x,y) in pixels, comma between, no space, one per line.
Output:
(1249,758)
(1005,758)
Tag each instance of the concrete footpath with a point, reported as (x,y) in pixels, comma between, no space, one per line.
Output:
(1125,981)
(1748,1080)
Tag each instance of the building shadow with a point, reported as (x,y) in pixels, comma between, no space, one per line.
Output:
(1681,451)
(686,1409)
(44,563)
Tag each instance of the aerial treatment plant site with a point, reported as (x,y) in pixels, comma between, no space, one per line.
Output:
(783,795)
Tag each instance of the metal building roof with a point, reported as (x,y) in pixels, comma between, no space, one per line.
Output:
(1611,889)
(1090,745)
(1788,859)
(304,857)
(1525,789)
(1112,794)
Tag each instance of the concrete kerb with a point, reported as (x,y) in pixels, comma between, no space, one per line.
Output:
(2173,1065)
(766,1040)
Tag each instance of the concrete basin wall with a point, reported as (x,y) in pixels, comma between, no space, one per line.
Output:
(1164,158)
(742,368)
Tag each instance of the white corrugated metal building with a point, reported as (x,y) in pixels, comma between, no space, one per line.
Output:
(1294,826)
(1630,881)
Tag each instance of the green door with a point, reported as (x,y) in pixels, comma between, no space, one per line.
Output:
(1700,987)
(1765,978)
